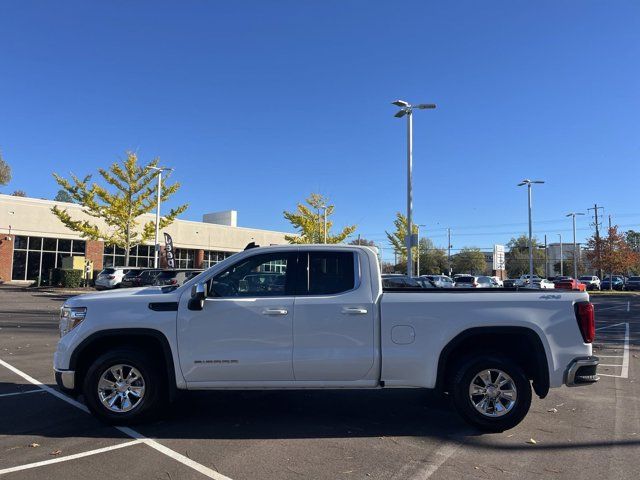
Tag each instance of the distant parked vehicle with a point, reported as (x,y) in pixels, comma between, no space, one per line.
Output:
(498,281)
(541,283)
(612,283)
(173,277)
(467,281)
(440,281)
(111,277)
(145,278)
(425,282)
(524,280)
(633,283)
(487,282)
(399,281)
(509,282)
(591,282)
(568,283)
(127,280)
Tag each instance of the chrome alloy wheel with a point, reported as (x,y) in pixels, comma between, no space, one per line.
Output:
(493,393)
(121,388)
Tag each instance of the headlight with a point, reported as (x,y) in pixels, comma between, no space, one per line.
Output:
(70,317)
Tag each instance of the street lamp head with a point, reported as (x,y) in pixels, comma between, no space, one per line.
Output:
(424,106)
(537,181)
(401,113)
(400,103)
(526,181)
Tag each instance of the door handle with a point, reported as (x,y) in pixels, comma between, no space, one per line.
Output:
(275,311)
(354,311)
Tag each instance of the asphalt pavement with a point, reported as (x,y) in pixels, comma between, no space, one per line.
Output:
(589,432)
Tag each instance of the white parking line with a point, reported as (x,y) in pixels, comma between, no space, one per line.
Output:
(20,393)
(625,355)
(610,326)
(126,430)
(69,457)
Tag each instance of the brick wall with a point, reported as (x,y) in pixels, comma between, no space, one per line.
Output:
(199,260)
(95,251)
(6,257)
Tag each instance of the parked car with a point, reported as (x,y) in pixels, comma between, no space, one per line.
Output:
(542,283)
(487,282)
(128,279)
(591,282)
(174,277)
(487,349)
(145,278)
(111,277)
(466,281)
(440,281)
(509,282)
(399,281)
(568,283)
(633,283)
(498,280)
(524,280)
(616,284)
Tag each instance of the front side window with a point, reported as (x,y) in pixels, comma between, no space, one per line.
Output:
(266,275)
(330,272)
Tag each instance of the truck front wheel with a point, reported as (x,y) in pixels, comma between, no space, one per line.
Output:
(491,392)
(123,386)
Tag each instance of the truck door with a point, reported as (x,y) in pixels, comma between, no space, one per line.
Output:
(333,331)
(244,331)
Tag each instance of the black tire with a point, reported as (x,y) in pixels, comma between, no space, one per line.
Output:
(467,371)
(155,392)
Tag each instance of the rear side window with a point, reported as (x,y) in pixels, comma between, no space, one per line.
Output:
(465,279)
(109,271)
(330,272)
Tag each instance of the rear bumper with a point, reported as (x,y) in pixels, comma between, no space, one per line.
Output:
(66,379)
(582,371)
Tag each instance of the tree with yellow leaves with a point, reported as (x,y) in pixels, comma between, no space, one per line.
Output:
(309,220)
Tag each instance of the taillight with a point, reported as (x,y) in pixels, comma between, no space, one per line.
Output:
(586,321)
(475,284)
(111,277)
(174,281)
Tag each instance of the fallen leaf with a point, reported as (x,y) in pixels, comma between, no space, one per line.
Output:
(531,441)
(34,445)
(56,452)
(553,410)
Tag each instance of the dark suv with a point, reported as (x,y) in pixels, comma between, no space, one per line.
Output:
(633,283)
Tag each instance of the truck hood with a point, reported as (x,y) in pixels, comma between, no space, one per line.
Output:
(142,294)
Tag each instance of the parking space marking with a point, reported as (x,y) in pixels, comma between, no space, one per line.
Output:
(69,457)
(126,430)
(625,355)
(610,326)
(624,366)
(20,393)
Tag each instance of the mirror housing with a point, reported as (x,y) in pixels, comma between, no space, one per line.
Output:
(198,295)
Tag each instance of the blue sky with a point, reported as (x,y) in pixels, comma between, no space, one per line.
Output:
(257,104)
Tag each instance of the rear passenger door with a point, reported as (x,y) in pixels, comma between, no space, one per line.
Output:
(333,332)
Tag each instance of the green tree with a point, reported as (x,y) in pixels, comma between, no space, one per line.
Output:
(567,266)
(63,196)
(616,255)
(517,258)
(362,241)
(309,221)
(5,171)
(398,237)
(432,260)
(19,193)
(470,260)
(130,192)
(633,239)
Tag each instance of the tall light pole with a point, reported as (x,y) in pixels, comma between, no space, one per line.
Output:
(156,250)
(529,183)
(418,260)
(561,259)
(575,263)
(407,109)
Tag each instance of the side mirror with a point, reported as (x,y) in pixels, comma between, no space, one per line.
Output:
(198,294)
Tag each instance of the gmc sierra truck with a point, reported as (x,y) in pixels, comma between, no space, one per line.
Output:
(318,317)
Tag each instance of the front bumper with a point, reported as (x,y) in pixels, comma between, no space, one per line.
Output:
(582,371)
(66,379)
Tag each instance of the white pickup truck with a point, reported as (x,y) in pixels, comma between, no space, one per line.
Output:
(318,317)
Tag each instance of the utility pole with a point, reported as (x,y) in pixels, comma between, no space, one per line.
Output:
(598,246)
(561,258)
(358,239)
(546,262)
(449,250)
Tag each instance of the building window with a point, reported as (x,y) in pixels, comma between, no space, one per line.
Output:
(139,256)
(185,258)
(211,257)
(34,257)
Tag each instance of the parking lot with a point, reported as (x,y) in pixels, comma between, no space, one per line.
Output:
(590,432)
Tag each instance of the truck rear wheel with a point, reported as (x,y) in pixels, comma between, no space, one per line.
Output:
(123,386)
(491,392)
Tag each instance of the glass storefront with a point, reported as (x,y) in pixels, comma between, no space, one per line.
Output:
(33,257)
(139,256)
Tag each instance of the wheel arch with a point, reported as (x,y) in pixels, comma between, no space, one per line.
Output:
(510,341)
(146,339)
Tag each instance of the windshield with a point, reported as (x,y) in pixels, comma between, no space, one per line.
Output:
(634,279)
(465,279)
(108,271)
(132,273)
(166,275)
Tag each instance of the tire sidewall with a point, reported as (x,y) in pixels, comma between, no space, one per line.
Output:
(467,371)
(144,365)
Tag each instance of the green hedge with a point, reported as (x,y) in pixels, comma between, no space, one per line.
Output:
(71,278)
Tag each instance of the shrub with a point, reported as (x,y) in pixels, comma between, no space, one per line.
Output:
(71,278)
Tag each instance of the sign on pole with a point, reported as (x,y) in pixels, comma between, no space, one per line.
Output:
(168,251)
(498,257)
